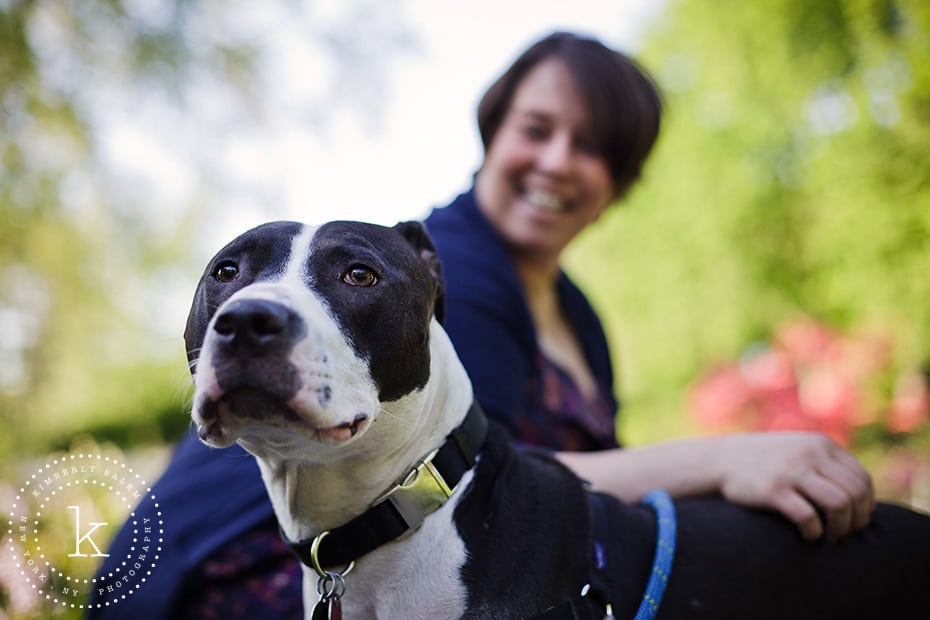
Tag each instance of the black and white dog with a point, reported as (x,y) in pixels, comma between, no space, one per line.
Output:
(319,350)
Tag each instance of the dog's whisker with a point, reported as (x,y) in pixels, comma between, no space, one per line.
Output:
(183,388)
(393,415)
(279,449)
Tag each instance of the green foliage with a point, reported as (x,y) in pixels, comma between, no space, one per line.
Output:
(76,239)
(791,179)
(94,258)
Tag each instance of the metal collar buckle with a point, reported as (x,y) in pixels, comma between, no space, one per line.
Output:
(421,493)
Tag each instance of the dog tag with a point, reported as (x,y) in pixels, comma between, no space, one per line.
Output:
(327,609)
(330,586)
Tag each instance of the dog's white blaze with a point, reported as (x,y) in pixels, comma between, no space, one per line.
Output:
(335,382)
(300,249)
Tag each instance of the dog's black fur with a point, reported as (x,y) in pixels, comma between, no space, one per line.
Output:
(525,519)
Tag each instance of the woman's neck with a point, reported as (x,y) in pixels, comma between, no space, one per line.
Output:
(554,334)
(539,284)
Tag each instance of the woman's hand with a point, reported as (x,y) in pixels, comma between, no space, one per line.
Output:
(804,476)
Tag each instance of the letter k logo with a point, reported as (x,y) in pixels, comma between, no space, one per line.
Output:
(78,539)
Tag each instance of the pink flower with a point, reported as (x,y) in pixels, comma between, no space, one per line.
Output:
(910,404)
(804,340)
(811,379)
(720,397)
(769,371)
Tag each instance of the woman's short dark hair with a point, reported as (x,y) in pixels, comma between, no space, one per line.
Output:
(623,102)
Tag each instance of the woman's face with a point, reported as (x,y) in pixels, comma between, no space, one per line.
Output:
(543,180)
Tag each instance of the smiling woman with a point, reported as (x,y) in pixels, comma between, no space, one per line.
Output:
(566,130)
(532,344)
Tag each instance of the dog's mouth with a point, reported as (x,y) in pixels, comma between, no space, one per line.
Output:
(256,408)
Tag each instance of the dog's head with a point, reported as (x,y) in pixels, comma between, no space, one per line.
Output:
(305,331)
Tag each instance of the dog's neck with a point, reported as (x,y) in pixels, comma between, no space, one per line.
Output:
(309,497)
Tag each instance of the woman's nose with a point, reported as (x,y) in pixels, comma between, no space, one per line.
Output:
(555,156)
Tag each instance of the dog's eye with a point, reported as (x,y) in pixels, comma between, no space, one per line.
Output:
(226,271)
(360,276)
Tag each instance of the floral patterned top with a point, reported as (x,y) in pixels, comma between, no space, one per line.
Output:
(253,576)
(561,418)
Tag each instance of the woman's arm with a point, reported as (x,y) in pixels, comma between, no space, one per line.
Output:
(800,475)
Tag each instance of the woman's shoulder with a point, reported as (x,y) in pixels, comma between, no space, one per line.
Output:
(474,260)
(460,225)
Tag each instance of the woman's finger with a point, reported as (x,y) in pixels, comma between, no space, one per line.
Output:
(832,500)
(797,509)
(857,484)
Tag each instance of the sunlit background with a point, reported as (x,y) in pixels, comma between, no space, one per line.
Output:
(769,272)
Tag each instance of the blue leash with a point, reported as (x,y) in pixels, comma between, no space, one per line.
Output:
(597,592)
(659,501)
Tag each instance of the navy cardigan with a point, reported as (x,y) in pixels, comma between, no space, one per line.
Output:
(488,319)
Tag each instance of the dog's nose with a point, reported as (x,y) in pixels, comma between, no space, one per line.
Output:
(253,323)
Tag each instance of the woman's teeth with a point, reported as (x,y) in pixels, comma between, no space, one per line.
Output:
(544,200)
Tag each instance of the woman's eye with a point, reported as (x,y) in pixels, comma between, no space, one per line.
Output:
(534,132)
(226,272)
(360,276)
(589,146)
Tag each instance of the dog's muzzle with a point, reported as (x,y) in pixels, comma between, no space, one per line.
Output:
(251,342)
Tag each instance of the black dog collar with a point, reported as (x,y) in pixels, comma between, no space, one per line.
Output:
(402,509)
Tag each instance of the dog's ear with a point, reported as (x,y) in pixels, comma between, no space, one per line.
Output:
(415,233)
